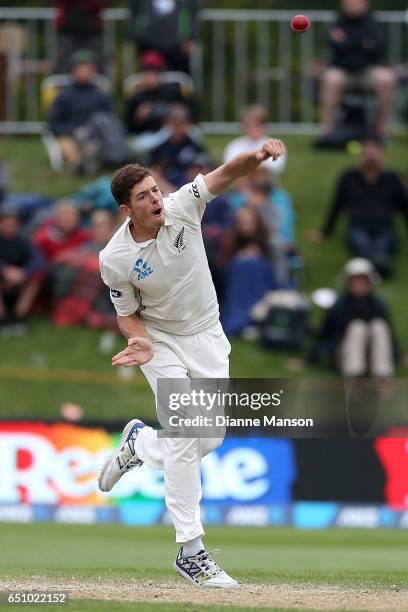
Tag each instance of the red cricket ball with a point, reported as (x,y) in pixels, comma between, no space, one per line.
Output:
(300,23)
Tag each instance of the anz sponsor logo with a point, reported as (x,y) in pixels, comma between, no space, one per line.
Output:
(142,268)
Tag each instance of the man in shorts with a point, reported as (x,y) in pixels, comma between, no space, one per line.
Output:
(356,44)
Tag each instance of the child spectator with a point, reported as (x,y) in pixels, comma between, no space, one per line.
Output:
(21,272)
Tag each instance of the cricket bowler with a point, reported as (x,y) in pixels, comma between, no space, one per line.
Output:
(160,284)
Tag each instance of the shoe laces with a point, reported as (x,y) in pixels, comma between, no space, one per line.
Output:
(128,452)
(207,565)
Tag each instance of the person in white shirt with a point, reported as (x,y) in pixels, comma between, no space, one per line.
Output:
(255,125)
(157,271)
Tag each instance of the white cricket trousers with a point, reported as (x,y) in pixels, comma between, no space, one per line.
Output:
(202,355)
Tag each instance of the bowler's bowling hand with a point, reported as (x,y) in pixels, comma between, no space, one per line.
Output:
(138,352)
(272,148)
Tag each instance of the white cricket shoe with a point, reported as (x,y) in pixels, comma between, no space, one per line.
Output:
(203,571)
(123,459)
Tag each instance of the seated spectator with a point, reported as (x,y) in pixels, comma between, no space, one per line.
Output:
(177,153)
(372,196)
(147,109)
(357,328)
(79,295)
(21,273)
(255,125)
(356,44)
(61,232)
(248,272)
(276,210)
(82,120)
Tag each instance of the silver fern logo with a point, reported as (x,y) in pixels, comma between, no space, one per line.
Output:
(178,242)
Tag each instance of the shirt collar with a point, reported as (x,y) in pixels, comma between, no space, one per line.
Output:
(168,220)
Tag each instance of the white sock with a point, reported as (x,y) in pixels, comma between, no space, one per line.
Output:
(192,547)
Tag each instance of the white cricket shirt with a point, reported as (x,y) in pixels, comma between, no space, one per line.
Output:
(165,280)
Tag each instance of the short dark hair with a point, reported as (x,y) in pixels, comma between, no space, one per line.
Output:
(125,179)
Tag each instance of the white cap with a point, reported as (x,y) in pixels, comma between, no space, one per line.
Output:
(360,266)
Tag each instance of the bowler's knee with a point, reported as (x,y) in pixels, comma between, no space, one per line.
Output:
(210,444)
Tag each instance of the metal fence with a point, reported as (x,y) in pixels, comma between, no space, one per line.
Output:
(245,56)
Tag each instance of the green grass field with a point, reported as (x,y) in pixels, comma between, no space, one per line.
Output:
(52,366)
(68,556)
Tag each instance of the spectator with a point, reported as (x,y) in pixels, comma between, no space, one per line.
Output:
(148,108)
(169,27)
(248,273)
(255,125)
(62,232)
(21,272)
(79,295)
(103,225)
(82,120)
(79,25)
(275,207)
(372,196)
(177,153)
(356,44)
(357,328)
